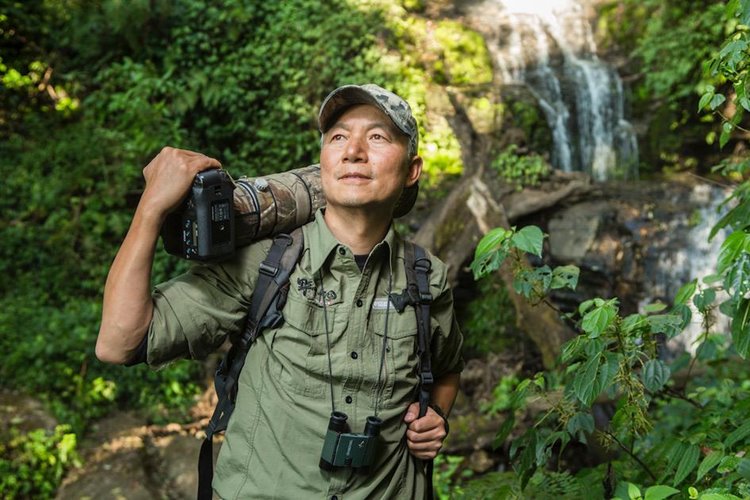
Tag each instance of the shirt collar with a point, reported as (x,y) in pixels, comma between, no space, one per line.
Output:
(321,242)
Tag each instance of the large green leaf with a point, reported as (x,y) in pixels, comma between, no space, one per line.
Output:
(735,245)
(737,280)
(687,464)
(529,239)
(491,241)
(584,382)
(580,424)
(654,375)
(685,292)
(565,277)
(738,434)
(741,328)
(596,321)
(660,492)
(708,463)
(669,324)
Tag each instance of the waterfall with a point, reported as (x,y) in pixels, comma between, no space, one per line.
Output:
(548,47)
(689,255)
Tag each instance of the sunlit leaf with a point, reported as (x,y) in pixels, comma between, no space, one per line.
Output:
(596,321)
(491,241)
(726,132)
(716,101)
(735,245)
(655,307)
(705,99)
(685,292)
(660,492)
(529,239)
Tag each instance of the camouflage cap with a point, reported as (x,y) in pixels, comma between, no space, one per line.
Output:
(393,106)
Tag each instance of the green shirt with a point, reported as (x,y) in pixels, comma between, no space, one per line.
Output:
(275,435)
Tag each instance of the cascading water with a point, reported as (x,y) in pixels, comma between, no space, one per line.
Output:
(548,47)
(689,256)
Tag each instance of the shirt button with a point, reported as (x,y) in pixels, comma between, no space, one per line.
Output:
(359,302)
(342,251)
(355,355)
(349,399)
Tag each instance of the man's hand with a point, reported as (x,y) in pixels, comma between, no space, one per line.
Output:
(127,308)
(424,436)
(169,177)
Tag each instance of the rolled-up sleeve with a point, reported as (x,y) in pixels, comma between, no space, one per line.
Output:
(194,312)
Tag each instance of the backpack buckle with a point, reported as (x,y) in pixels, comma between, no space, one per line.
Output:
(268,270)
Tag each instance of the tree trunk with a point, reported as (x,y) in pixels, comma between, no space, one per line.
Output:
(452,233)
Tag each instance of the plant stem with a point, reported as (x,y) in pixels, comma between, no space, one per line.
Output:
(632,455)
(679,395)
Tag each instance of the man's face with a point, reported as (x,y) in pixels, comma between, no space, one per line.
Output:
(364,161)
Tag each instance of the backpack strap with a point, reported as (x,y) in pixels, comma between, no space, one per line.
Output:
(266,304)
(418,267)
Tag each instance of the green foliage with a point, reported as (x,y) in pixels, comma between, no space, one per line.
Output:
(502,396)
(464,58)
(446,484)
(730,64)
(33,463)
(488,320)
(521,171)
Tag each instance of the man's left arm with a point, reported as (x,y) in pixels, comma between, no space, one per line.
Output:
(424,436)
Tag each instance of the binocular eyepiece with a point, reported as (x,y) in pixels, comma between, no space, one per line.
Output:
(347,449)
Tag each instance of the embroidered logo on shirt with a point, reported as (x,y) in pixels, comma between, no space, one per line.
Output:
(310,291)
(306,287)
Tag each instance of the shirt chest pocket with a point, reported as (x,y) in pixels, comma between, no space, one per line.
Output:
(399,376)
(300,349)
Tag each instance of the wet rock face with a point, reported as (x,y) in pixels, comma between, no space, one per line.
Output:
(638,241)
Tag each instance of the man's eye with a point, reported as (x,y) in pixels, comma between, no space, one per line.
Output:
(378,137)
(337,137)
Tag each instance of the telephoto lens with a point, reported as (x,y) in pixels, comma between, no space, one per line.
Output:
(336,426)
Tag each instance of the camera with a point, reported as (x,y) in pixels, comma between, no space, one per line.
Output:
(203,227)
(347,449)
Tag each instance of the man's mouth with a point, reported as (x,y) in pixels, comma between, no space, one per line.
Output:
(354,175)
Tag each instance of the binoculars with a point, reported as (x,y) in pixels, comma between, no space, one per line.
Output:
(347,449)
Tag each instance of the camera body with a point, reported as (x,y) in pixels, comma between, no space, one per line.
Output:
(347,449)
(203,227)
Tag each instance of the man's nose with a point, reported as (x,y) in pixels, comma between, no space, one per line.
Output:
(356,149)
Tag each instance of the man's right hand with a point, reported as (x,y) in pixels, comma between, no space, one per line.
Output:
(127,308)
(169,177)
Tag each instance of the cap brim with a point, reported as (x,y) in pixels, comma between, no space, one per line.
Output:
(340,99)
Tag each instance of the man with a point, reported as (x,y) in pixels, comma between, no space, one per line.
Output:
(341,338)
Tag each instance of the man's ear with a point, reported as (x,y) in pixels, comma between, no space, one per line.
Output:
(415,170)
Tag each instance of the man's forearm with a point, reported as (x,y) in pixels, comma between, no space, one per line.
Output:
(445,390)
(127,307)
